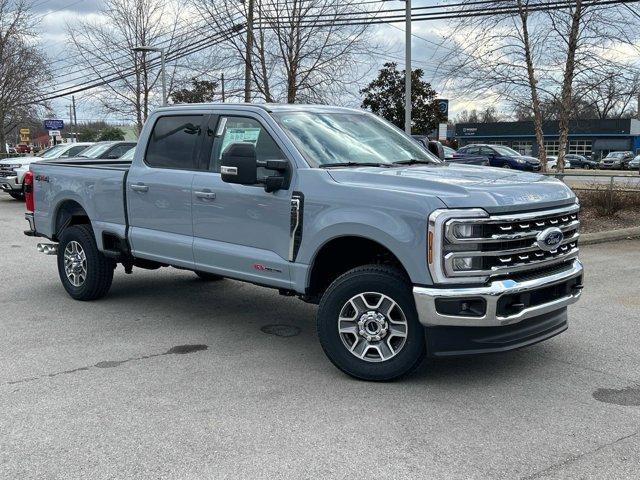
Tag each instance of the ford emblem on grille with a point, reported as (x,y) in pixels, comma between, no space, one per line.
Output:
(550,239)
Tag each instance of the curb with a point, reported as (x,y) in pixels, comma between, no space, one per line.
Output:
(610,236)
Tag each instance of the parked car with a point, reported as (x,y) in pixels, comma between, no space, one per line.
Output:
(552,163)
(335,206)
(110,150)
(128,155)
(23,148)
(635,163)
(501,156)
(12,170)
(580,161)
(616,160)
(452,156)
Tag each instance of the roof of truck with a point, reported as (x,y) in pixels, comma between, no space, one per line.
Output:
(269,107)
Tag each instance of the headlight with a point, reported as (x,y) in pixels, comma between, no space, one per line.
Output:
(466,230)
(521,161)
(13,166)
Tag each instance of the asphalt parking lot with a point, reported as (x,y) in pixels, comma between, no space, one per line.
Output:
(172,377)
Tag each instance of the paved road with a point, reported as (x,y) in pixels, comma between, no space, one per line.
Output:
(98,390)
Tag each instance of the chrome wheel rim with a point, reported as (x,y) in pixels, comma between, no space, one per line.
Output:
(373,327)
(75,263)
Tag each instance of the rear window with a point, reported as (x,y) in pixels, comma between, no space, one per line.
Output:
(173,142)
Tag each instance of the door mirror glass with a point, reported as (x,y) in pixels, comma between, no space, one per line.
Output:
(239,164)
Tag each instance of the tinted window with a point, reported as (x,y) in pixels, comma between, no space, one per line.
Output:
(241,129)
(74,151)
(487,151)
(119,150)
(470,150)
(173,142)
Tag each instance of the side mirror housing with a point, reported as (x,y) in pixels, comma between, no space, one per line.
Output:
(239,164)
(435,147)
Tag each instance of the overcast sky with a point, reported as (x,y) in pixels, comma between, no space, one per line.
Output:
(55,14)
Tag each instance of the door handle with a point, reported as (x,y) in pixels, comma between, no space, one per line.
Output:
(205,195)
(139,187)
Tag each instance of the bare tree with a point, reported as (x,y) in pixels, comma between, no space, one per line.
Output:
(105,48)
(299,54)
(531,54)
(24,72)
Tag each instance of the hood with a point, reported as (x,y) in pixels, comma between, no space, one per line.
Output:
(464,186)
(533,160)
(20,160)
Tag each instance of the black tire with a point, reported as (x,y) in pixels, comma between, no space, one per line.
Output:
(506,165)
(99,269)
(388,282)
(17,195)
(208,277)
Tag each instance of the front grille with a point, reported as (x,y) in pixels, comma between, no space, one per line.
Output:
(474,246)
(7,172)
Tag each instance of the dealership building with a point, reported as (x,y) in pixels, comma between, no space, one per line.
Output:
(586,137)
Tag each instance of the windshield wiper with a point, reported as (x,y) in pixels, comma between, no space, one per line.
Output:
(354,164)
(412,161)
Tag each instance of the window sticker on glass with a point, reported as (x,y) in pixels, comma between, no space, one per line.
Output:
(232,135)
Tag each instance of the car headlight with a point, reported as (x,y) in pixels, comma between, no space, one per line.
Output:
(521,161)
(13,166)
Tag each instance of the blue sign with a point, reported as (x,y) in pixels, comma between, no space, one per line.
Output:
(443,106)
(54,124)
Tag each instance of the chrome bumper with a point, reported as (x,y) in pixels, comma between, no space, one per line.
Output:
(9,184)
(425,299)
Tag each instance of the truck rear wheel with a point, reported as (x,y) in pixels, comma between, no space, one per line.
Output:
(368,325)
(85,272)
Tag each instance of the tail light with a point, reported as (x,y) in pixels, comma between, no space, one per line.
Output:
(27,185)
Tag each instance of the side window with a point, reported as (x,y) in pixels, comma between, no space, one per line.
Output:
(242,129)
(118,151)
(486,151)
(74,151)
(472,150)
(173,142)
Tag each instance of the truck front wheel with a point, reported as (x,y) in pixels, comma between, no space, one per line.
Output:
(368,325)
(85,272)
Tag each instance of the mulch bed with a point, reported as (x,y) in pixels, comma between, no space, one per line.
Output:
(591,221)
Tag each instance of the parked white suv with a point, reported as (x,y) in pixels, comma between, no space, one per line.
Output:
(13,169)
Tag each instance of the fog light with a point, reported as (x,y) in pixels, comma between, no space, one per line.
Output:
(461,307)
(466,263)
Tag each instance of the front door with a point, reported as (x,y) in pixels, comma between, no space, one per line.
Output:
(241,231)
(159,191)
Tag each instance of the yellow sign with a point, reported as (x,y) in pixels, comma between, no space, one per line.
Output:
(25,131)
(24,138)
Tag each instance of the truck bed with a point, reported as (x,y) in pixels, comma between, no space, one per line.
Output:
(95,186)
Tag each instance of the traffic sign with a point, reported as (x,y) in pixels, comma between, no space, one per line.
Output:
(54,133)
(443,107)
(52,124)
(25,131)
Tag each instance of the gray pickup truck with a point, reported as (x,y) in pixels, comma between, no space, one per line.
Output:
(406,256)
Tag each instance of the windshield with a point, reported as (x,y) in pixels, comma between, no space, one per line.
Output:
(506,151)
(53,152)
(358,138)
(615,155)
(448,151)
(128,154)
(95,151)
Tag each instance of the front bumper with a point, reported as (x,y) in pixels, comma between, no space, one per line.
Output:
(10,184)
(506,301)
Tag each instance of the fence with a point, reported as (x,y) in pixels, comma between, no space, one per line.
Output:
(629,182)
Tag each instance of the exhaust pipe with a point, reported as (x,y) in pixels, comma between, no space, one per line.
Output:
(48,248)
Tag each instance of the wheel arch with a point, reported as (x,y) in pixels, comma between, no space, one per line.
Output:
(67,213)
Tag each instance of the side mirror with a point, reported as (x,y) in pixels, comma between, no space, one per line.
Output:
(240,164)
(435,147)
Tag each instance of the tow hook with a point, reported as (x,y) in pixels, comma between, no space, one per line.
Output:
(48,248)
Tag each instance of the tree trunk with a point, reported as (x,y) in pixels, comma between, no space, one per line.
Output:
(567,84)
(533,85)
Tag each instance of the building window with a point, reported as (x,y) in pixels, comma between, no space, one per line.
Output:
(523,148)
(551,147)
(501,142)
(580,147)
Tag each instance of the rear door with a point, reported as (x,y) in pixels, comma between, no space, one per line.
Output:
(159,190)
(241,231)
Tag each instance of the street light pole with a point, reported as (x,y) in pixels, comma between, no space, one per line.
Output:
(163,72)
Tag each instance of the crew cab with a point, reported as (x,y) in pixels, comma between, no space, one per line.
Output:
(405,255)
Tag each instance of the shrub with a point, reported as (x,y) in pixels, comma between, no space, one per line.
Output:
(606,201)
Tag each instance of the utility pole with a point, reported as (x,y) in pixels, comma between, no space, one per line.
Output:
(75,117)
(407,71)
(70,119)
(247,61)
(222,85)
